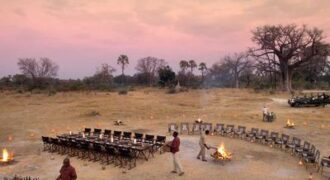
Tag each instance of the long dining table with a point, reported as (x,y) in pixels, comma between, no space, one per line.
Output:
(141,149)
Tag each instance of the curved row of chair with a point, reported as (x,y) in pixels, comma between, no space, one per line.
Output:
(308,154)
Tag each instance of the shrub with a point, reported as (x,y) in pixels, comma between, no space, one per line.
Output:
(52,92)
(20,91)
(36,91)
(93,113)
(171,90)
(123,92)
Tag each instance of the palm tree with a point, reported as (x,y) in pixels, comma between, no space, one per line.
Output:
(123,61)
(192,65)
(202,67)
(184,65)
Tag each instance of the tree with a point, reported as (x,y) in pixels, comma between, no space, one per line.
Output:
(122,61)
(41,72)
(104,74)
(237,63)
(184,66)
(149,66)
(292,47)
(102,79)
(166,76)
(202,67)
(44,68)
(192,65)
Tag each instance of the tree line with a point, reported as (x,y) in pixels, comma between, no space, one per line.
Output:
(284,57)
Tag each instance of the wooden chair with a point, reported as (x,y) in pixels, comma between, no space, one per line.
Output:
(184,128)
(172,127)
(219,129)
(196,128)
(239,132)
(325,163)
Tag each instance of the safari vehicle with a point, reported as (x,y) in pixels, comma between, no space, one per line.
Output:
(321,98)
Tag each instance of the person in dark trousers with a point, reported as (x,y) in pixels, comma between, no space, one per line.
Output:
(67,171)
(203,145)
(175,147)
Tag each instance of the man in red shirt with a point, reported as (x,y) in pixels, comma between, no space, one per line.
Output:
(67,172)
(175,145)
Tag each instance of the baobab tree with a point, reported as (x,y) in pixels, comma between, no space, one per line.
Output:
(122,61)
(290,47)
(202,67)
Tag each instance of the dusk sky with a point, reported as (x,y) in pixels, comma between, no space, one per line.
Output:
(79,35)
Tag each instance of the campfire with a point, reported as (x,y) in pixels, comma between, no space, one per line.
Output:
(289,124)
(221,153)
(6,157)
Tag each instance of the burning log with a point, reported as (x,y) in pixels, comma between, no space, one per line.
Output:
(221,153)
(289,124)
(6,157)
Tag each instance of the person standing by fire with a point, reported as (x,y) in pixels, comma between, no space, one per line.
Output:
(203,145)
(174,148)
(67,171)
(265,113)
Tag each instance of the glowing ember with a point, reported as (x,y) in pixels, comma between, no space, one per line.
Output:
(289,123)
(221,153)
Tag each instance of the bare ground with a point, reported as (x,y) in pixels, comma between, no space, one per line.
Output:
(26,117)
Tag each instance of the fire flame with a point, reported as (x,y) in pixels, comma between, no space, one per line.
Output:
(5,155)
(221,153)
(288,123)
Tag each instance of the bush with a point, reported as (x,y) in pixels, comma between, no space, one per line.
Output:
(52,92)
(131,88)
(36,91)
(20,91)
(171,90)
(123,92)
(93,113)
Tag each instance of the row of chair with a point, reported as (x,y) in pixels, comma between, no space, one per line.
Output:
(94,148)
(307,152)
(92,151)
(125,135)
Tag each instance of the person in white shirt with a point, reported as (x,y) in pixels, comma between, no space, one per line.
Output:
(203,146)
(265,113)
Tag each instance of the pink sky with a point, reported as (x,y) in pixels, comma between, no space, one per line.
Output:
(79,35)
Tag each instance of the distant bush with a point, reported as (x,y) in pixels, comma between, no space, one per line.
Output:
(52,92)
(131,88)
(171,90)
(37,91)
(20,91)
(123,92)
(93,113)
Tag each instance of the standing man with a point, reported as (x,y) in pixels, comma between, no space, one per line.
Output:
(175,145)
(67,172)
(265,113)
(203,146)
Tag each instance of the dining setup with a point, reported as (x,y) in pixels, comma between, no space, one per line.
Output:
(119,148)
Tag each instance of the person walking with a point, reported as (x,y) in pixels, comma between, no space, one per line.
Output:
(203,146)
(67,171)
(174,148)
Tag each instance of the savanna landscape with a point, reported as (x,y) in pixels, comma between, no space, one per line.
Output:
(140,89)
(150,110)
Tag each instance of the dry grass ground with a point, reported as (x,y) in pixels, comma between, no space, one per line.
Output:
(24,118)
